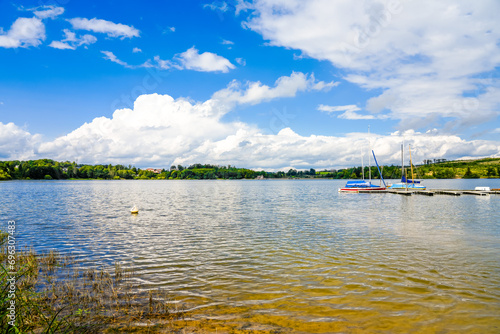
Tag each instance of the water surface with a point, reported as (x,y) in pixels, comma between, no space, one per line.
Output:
(289,253)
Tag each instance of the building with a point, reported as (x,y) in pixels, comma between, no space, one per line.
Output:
(154,170)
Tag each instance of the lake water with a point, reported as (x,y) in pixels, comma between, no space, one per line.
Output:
(294,254)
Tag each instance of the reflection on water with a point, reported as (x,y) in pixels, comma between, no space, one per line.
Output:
(296,254)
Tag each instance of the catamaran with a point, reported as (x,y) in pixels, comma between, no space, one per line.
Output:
(354,186)
(405,182)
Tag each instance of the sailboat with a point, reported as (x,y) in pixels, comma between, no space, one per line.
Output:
(405,182)
(354,186)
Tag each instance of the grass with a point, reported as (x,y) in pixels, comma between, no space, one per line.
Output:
(54,296)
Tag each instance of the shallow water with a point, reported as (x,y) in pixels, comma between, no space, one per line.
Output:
(289,253)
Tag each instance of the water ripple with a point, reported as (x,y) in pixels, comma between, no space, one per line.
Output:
(294,253)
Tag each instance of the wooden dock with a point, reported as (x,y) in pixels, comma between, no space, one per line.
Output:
(431,192)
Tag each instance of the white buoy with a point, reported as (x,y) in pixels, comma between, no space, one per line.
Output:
(134,210)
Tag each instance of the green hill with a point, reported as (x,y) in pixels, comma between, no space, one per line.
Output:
(480,168)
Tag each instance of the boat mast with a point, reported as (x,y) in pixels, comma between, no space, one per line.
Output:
(402,163)
(403,171)
(411,166)
(403,174)
(379,171)
(369,160)
(362,166)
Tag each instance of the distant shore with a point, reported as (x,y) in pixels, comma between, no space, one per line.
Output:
(47,169)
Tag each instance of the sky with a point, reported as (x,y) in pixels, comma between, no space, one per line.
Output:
(263,84)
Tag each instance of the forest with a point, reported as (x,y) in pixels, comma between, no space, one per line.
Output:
(47,169)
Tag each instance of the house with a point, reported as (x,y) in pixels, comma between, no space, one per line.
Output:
(154,170)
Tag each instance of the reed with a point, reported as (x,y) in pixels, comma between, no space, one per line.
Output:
(54,295)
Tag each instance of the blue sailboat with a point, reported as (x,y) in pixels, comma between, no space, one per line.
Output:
(355,186)
(405,182)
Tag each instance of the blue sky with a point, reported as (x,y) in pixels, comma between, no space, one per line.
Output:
(261,84)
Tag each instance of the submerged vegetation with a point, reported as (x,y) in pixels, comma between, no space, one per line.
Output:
(52,294)
(46,169)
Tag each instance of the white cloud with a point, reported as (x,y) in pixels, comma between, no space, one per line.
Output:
(16,143)
(159,128)
(166,30)
(241,61)
(163,64)
(61,45)
(255,92)
(349,112)
(188,60)
(162,130)
(217,6)
(165,131)
(108,55)
(243,6)
(105,27)
(331,109)
(24,32)
(425,56)
(226,42)
(71,42)
(205,62)
(45,12)
(136,50)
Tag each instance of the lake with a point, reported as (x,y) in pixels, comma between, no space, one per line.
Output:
(294,254)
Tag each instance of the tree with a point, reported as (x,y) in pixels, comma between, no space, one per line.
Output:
(469,175)
(490,172)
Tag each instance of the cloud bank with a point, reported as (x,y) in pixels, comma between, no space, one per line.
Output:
(161,131)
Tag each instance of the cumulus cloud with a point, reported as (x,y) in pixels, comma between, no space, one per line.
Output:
(136,50)
(16,143)
(204,62)
(71,42)
(106,27)
(162,130)
(159,128)
(425,57)
(24,32)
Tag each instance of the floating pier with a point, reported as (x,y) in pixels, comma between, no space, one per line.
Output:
(432,192)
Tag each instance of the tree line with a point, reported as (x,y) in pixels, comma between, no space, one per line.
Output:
(47,169)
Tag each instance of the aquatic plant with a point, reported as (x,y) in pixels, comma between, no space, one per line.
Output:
(54,295)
